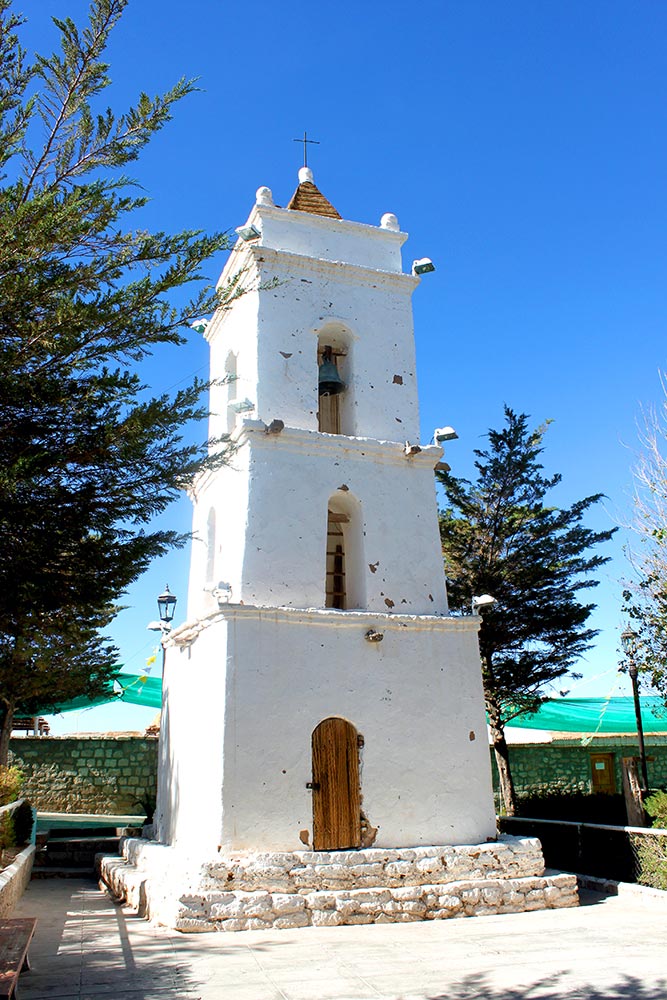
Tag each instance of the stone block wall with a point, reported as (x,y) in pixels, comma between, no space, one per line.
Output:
(87,774)
(565,764)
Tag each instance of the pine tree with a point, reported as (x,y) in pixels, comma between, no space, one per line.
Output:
(87,456)
(500,537)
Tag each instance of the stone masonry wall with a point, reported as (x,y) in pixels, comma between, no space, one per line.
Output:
(108,774)
(565,765)
(87,774)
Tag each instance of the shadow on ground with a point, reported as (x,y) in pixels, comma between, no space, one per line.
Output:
(560,987)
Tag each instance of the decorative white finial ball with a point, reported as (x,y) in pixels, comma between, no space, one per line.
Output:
(305,174)
(264,196)
(389,221)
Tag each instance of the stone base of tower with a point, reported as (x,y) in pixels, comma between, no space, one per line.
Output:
(264,891)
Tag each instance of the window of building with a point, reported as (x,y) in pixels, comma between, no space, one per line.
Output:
(336,596)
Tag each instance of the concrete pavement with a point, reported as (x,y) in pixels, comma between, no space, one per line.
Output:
(89,948)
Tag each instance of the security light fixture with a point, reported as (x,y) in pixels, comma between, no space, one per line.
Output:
(441,434)
(422,266)
(248,233)
(243,406)
(200,324)
(483,601)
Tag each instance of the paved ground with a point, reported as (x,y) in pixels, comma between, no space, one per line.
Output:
(88,948)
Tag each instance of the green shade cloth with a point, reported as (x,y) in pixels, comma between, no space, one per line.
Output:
(596,715)
(564,715)
(132,689)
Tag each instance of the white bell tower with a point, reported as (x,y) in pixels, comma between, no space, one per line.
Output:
(320,694)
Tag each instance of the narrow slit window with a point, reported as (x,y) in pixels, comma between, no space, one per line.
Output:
(336,596)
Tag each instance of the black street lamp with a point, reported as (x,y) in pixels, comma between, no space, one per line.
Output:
(629,642)
(166,603)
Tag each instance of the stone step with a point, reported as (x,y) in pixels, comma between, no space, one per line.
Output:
(75,852)
(57,871)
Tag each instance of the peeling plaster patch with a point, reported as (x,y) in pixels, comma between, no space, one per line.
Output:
(373,567)
(304,837)
(398,380)
(388,601)
(344,488)
(430,597)
(368,832)
(471,736)
(286,355)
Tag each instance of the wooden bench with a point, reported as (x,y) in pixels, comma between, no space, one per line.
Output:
(37,725)
(15,937)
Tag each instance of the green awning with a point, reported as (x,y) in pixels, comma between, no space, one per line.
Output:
(596,715)
(132,689)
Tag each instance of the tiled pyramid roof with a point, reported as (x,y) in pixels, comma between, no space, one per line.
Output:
(308,198)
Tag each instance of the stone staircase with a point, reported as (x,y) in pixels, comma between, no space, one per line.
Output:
(72,854)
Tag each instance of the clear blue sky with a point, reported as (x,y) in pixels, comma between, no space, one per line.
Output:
(523,147)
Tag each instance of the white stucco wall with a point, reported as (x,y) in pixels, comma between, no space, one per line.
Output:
(260,663)
(271,522)
(415,697)
(296,288)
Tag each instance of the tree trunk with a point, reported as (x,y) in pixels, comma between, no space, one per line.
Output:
(501,751)
(6,732)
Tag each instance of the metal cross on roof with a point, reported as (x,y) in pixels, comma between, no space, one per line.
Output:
(305,140)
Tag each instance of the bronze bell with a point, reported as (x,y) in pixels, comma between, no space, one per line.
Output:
(329,381)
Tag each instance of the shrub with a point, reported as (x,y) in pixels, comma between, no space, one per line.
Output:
(576,806)
(656,807)
(23,821)
(11,781)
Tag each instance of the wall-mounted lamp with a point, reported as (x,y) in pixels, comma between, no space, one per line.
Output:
(441,434)
(248,233)
(200,324)
(373,636)
(242,406)
(166,604)
(422,266)
(483,601)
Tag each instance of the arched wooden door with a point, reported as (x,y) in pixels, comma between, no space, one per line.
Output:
(336,792)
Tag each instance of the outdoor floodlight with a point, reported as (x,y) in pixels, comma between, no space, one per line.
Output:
(422,266)
(441,434)
(200,324)
(483,601)
(243,406)
(248,233)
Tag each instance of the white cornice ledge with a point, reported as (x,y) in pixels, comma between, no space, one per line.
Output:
(311,220)
(338,269)
(255,432)
(187,633)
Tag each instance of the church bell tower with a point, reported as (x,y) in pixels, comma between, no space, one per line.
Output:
(320,694)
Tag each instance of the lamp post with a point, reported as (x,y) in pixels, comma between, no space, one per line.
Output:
(629,643)
(166,604)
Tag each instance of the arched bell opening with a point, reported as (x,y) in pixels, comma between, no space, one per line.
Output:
(336,786)
(334,381)
(344,578)
(210,546)
(231,377)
